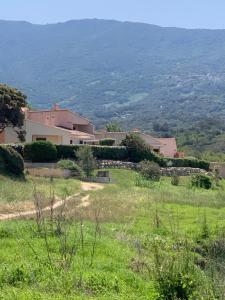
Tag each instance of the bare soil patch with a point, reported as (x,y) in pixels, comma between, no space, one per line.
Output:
(91,186)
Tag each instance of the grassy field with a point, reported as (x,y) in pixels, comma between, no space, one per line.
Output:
(16,190)
(131,242)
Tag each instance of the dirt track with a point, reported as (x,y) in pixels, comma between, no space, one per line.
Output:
(85,186)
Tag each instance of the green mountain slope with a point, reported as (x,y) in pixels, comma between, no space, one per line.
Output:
(136,74)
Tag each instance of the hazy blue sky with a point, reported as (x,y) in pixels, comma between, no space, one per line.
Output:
(181,13)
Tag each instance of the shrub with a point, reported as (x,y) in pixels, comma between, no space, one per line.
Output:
(40,151)
(107,142)
(70,165)
(179,279)
(11,161)
(138,150)
(150,170)
(202,181)
(86,160)
(176,275)
(175,180)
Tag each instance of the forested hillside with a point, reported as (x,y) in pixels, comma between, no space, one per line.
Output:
(136,74)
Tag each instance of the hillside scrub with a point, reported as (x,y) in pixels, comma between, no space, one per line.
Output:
(148,243)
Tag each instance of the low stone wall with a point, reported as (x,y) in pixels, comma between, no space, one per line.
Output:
(172,171)
(97,179)
(111,164)
(181,171)
(32,165)
(50,169)
(46,172)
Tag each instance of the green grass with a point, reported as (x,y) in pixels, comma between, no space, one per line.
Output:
(132,223)
(16,190)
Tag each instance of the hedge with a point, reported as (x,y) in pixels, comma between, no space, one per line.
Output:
(107,142)
(99,152)
(117,153)
(40,151)
(185,162)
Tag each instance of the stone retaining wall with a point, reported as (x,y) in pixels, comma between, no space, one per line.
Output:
(49,172)
(50,169)
(172,171)
(32,165)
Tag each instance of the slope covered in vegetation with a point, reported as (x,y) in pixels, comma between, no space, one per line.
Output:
(134,241)
(108,70)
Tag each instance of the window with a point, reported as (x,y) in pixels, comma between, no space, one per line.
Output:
(81,142)
(71,142)
(74,127)
(41,139)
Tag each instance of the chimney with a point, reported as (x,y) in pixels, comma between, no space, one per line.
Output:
(136,130)
(55,107)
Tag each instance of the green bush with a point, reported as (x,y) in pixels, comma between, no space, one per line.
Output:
(175,180)
(149,170)
(138,150)
(40,151)
(178,278)
(86,160)
(107,142)
(70,165)
(201,181)
(11,161)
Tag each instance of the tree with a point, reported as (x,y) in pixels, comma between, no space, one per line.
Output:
(136,147)
(113,127)
(86,160)
(11,115)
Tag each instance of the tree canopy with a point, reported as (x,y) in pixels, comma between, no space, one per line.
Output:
(11,115)
(113,127)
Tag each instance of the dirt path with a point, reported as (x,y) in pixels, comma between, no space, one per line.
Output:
(85,186)
(91,186)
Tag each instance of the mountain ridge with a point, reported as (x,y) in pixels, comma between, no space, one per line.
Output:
(133,73)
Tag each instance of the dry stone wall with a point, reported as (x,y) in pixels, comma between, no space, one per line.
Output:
(172,171)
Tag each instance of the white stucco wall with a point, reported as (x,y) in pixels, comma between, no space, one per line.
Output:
(37,130)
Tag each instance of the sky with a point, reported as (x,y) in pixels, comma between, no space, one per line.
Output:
(178,13)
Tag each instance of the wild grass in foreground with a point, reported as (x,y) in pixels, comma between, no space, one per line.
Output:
(17,190)
(132,242)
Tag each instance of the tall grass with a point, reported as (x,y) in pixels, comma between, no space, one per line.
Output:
(12,190)
(157,241)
